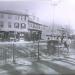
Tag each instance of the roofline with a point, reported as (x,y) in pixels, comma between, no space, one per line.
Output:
(34,29)
(13,13)
(37,23)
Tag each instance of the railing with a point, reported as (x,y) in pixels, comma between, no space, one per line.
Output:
(10,51)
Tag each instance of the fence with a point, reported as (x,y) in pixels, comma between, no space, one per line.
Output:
(11,51)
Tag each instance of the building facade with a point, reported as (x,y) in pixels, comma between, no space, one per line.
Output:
(16,25)
(13,25)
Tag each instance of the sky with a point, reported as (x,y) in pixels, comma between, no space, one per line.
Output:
(49,11)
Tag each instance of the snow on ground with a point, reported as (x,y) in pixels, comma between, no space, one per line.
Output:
(1,62)
(72,56)
(17,42)
(24,64)
(46,69)
(3,72)
(36,68)
(23,69)
(67,62)
(67,65)
(23,61)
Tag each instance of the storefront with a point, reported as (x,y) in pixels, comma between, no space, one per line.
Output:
(35,34)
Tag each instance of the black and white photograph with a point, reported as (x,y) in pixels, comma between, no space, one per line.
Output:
(37,37)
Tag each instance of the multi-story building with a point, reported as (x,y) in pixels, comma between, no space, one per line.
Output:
(13,24)
(35,26)
(19,25)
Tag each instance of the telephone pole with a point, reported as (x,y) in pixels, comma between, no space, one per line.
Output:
(54,3)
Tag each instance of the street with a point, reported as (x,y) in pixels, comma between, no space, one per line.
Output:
(57,66)
(27,62)
(37,37)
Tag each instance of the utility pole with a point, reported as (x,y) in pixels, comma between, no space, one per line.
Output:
(54,3)
(13,53)
(14,48)
(38,50)
(38,45)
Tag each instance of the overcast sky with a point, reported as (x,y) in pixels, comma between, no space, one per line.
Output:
(63,13)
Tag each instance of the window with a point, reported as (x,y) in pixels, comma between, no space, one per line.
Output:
(30,24)
(23,17)
(9,24)
(33,25)
(39,26)
(36,26)
(1,24)
(16,25)
(17,17)
(9,16)
(23,25)
(1,15)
